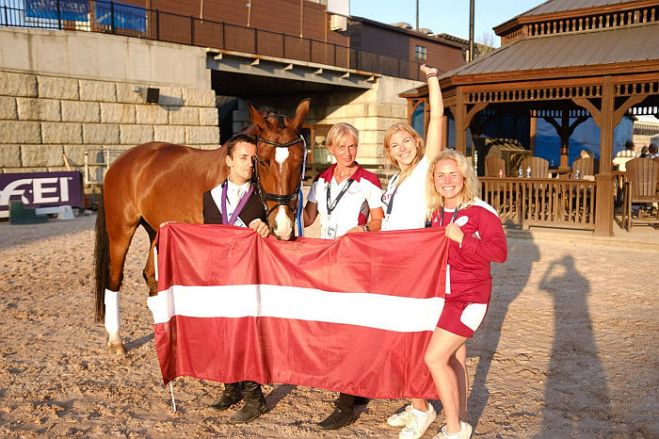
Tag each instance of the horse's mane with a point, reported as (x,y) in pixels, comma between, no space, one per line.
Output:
(272,118)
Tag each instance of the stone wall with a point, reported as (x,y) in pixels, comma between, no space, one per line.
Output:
(66,93)
(47,122)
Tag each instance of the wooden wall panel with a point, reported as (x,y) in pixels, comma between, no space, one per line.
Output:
(403,46)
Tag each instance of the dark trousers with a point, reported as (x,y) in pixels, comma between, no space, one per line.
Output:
(346,402)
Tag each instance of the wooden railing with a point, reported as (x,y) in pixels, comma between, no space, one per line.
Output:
(529,202)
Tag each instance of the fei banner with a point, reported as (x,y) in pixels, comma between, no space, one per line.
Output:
(353,315)
(40,189)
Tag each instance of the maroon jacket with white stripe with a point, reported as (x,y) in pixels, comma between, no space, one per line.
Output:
(469,263)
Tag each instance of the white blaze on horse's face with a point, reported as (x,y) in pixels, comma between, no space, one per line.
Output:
(283,225)
(281,154)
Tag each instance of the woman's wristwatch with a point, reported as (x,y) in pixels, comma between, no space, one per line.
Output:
(366,228)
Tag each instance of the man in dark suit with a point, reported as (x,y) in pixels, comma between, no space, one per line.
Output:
(235,202)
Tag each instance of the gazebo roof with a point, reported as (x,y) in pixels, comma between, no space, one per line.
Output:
(600,37)
(589,53)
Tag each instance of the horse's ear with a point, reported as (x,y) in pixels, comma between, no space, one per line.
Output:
(300,114)
(257,117)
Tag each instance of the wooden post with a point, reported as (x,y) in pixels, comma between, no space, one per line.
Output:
(604,197)
(460,115)
(533,126)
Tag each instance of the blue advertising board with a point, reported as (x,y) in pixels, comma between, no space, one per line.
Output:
(69,10)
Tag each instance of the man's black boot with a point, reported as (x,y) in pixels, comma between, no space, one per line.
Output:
(254,404)
(339,418)
(231,395)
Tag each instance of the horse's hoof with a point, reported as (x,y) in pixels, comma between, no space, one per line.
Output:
(117,349)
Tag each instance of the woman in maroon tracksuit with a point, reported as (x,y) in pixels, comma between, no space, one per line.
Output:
(476,239)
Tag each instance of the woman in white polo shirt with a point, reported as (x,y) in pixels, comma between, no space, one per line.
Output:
(347,198)
(406,208)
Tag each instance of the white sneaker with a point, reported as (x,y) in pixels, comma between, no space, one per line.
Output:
(464,433)
(418,423)
(400,419)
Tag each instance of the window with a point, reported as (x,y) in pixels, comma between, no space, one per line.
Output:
(420,53)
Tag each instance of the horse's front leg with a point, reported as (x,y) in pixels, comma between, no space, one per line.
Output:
(149,272)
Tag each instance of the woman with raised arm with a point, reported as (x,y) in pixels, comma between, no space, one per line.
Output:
(405,207)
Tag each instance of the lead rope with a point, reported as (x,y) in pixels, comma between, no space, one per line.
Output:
(300,196)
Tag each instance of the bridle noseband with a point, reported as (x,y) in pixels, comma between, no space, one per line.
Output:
(280,200)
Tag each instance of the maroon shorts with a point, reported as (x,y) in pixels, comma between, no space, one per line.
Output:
(462,318)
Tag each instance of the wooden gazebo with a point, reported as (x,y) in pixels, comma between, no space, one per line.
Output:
(565,62)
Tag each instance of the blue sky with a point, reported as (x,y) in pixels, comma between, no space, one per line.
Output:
(444,16)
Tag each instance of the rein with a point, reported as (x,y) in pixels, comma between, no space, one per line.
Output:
(286,199)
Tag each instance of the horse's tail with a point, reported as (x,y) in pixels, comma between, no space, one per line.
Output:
(101,260)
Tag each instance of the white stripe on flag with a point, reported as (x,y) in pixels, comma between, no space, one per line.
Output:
(393,313)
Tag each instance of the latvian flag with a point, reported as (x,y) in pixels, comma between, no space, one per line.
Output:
(353,315)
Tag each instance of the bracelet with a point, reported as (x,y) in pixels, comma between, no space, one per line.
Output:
(366,228)
(431,75)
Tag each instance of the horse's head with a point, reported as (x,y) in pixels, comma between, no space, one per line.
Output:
(279,160)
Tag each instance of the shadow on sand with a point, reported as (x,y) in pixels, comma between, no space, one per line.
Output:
(576,393)
(508,282)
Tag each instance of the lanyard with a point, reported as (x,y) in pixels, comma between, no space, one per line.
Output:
(390,206)
(332,206)
(239,207)
(441,216)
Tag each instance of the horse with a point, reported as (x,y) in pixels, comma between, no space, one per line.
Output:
(157,182)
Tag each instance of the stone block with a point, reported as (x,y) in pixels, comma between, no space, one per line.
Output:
(19,132)
(151,115)
(202,135)
(42,155)
(8,108)
(388,110)
(117,113)
(208,116)
(97,91)
(16,84)
(61,132)
(103,134)
(76,111)
(39,109)
(126,94)
(58,88)
(163,133)
(136,134)
(171,96)
(10,156)
(193,97)
(75,154)
(183,115)
(346,111)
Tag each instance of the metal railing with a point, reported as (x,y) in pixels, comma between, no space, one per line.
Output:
(97,162)
(132,21)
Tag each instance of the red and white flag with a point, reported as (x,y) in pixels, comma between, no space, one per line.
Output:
(353,315)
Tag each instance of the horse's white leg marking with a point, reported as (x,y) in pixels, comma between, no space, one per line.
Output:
(283,223)
(112,319)
(281,154)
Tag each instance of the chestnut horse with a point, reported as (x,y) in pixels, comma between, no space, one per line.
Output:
(158,182)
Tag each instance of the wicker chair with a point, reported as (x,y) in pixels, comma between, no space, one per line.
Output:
(641,187)
(493,165)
